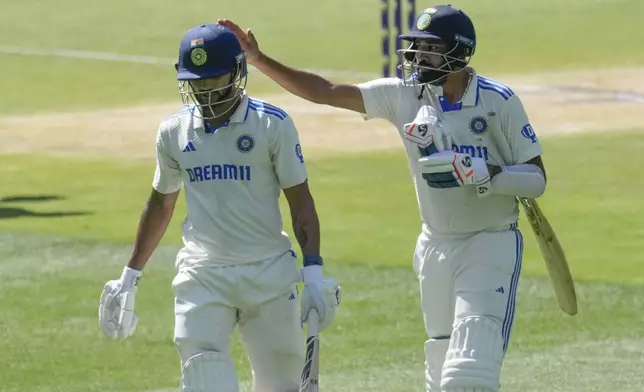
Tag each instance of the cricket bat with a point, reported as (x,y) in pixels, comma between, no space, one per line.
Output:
(310,371)
(553,255)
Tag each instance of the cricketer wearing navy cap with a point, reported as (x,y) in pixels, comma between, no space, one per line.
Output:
(471,151)
(211,71)
(234,156)
(443,40)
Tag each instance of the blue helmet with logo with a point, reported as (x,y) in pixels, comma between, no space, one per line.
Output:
(211,52)
(443,41)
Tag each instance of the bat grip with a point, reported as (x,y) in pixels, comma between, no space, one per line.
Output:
(313,321)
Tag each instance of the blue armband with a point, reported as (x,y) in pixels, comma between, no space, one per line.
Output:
(312,260)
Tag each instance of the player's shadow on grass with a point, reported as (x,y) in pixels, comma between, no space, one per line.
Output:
(18,212)
(9,212)
(29,198)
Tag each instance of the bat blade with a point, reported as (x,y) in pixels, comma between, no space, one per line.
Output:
(553,255)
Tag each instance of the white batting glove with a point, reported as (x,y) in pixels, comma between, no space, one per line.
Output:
(449,169)
(319,294)
(427,131)
(331,296)
(116,310)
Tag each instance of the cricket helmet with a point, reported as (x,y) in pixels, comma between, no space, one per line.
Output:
(443,41)
(206,52)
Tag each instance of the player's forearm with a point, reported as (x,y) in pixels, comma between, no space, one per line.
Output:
(304,84)
(306,226)
(523,180)
(152,226)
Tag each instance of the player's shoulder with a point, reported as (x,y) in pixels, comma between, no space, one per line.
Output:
(491,89)
(177,121)
(268,111)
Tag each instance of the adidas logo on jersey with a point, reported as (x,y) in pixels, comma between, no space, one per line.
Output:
(291,297)
(189,147)
(500,290)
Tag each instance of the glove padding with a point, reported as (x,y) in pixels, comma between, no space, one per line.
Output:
(319,294)
(427,131)
(116,309)
(449,169)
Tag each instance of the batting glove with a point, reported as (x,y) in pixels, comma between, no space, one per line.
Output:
(322,295)
(116,309)
(449,169)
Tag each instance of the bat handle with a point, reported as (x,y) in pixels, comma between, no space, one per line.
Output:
(313,321)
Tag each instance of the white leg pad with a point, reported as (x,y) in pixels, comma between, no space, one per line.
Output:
(474,358)
(435,351)
(209,372)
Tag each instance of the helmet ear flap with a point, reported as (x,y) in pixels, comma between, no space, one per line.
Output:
(409,56)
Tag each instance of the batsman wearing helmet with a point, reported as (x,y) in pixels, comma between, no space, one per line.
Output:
(471,152)
(234,155)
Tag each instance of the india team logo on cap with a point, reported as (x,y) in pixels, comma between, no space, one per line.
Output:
(478,125)
(198,56)
(423,21)
(245,143)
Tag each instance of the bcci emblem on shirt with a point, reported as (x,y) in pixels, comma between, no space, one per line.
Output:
(478,125)
(245,143)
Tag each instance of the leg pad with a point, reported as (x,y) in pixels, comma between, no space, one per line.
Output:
(474,357)
(209,371)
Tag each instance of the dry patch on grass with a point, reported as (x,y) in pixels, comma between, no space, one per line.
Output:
(557,103)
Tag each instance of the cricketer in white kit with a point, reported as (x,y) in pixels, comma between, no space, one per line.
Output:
(471,152)
(233,155)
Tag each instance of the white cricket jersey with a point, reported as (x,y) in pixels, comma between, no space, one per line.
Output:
(232,178)
(489,122)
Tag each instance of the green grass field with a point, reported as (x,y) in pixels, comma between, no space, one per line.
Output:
(363,221)
(66,224)
(52,280)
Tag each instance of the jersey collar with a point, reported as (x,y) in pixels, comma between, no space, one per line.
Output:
(239,116)
(471,97)
(241,113)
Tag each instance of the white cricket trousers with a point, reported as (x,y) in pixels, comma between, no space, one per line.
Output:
(468,287)
(261,298)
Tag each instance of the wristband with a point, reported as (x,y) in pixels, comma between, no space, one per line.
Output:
(312,260)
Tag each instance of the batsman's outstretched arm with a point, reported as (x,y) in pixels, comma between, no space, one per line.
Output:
(304,84)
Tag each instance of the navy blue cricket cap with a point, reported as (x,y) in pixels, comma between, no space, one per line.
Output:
(445,23)
(208,51)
